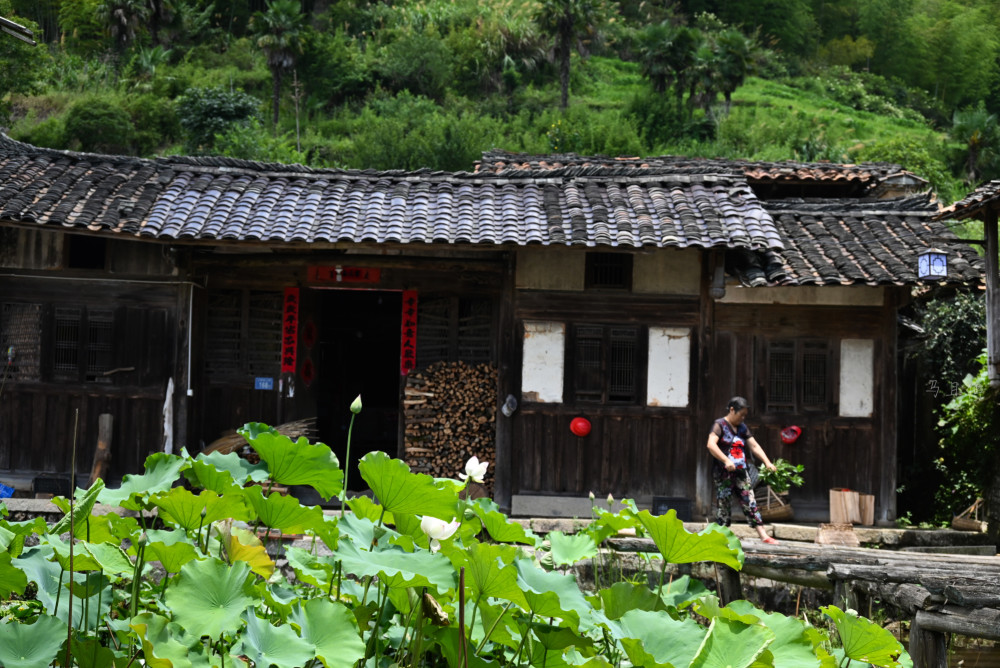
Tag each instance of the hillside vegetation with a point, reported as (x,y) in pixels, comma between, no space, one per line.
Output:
(432,83)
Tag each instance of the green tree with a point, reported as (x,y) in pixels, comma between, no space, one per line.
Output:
(124,20)
(278,31)
(667,57)
(734,61)
(978,132)
(570,23)
(207,112)
(99,123)
(20,63)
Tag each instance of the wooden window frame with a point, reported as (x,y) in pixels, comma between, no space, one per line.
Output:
(604,396)
(596,261)
(245,362)
(456,329)
(798,355)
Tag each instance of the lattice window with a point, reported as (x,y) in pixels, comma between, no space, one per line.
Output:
(243,334)
(609,271)
(798,376)
(66,342)
(455,329)
(606,364)
(21,335)
(100,344)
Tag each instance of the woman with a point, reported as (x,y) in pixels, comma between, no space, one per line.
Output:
(727,440)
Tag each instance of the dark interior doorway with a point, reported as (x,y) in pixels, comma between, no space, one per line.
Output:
(358,354)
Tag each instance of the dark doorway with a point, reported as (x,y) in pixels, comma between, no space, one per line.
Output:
(358,354)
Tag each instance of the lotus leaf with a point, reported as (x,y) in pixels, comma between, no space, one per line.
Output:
(209,596)
(654,638)
(284,513)
(363,506)
(20,531)
(569,549)
(182,508)
(864,640)
(219,472)
(680,546)
(162,471)
(12,579)
(31,645)
(165,644)
(624,596)
(793,645)
(403,492)
(398,568)
(332,629)
(296,462)
(170,548)
(490,573)
(242,545)
(730,643)
(83,504)
(268,645)
(499,527)
(551,594)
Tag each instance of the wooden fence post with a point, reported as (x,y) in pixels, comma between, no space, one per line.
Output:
(730,588)
(102,455)
(928,649)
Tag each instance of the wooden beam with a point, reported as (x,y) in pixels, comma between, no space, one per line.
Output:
(992,297)
(982,623)
(928,649)
(102,454)
(507,374)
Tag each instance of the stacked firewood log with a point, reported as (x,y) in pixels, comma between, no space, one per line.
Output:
(450,410)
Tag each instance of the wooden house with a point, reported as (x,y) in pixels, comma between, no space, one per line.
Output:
(475,313)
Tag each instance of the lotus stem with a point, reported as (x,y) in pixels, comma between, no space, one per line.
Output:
(347,464)
(663,570)
(59,591)
(463,652)
(524,638)
(72,533)
(486,637)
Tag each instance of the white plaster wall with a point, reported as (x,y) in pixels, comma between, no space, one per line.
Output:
(550,269)
(542,363)
(669,374)
(667,271)
(857,377)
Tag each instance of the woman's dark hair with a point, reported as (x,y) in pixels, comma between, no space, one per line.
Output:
(738,404)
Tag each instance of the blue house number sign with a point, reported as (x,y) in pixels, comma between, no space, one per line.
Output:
(262,383)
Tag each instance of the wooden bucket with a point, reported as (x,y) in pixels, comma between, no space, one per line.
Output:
(773,508)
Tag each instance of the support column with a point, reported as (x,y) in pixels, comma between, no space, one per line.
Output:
(928,649)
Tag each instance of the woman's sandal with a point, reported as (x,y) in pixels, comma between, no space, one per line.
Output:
(771,541)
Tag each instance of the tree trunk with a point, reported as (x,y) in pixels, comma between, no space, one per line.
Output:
(563,55)
(276,76)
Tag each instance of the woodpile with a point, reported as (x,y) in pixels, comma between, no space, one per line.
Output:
(231,441)
(450,415)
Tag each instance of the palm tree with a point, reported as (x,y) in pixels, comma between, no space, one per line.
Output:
(278,32)
(979,133)
(570,22)
(123,19)
(734,54)
(667,58)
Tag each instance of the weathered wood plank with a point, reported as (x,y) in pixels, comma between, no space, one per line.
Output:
(982,623)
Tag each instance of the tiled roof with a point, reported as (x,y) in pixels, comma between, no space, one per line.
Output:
(833,242)
(219,198)
(865,174)
(984,197)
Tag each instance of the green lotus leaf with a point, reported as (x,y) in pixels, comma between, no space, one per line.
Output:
(82,560)
(36,564)
(679,546)
(403,492)
(278,598)
(83,503)
(20,531)
(363,506)
(864,640)
(12,579)
(309,568)
(397,567)
(572,657)
(268,645)
(162,471)
(490,573)
(296,462)
(94,584)
(655,638)
(364,533)
(111,558)
(112,528)
(219,472)
(90,653)
(170,548)
(182,508)
(568,549)
(551,594)
(502,620)
(409,526)
(210,596)
(332,629)
(284,513)
(624,596)
(682,590)
(31,645)
(165,644)
(793,646)
(499,526)
(557,638)
(731,643)
(448,640)
(328,531)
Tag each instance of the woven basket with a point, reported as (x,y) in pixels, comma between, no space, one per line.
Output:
(773,508)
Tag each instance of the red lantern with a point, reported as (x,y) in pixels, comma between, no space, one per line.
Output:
(580,426)
(790,434)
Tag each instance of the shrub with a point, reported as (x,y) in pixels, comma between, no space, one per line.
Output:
(207,112)
(418,63)
(333,68)
(156,122)
(99,124)
(917,157)
(50,133)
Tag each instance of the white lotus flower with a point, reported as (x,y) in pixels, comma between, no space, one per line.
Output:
(474,470)
(438,530)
